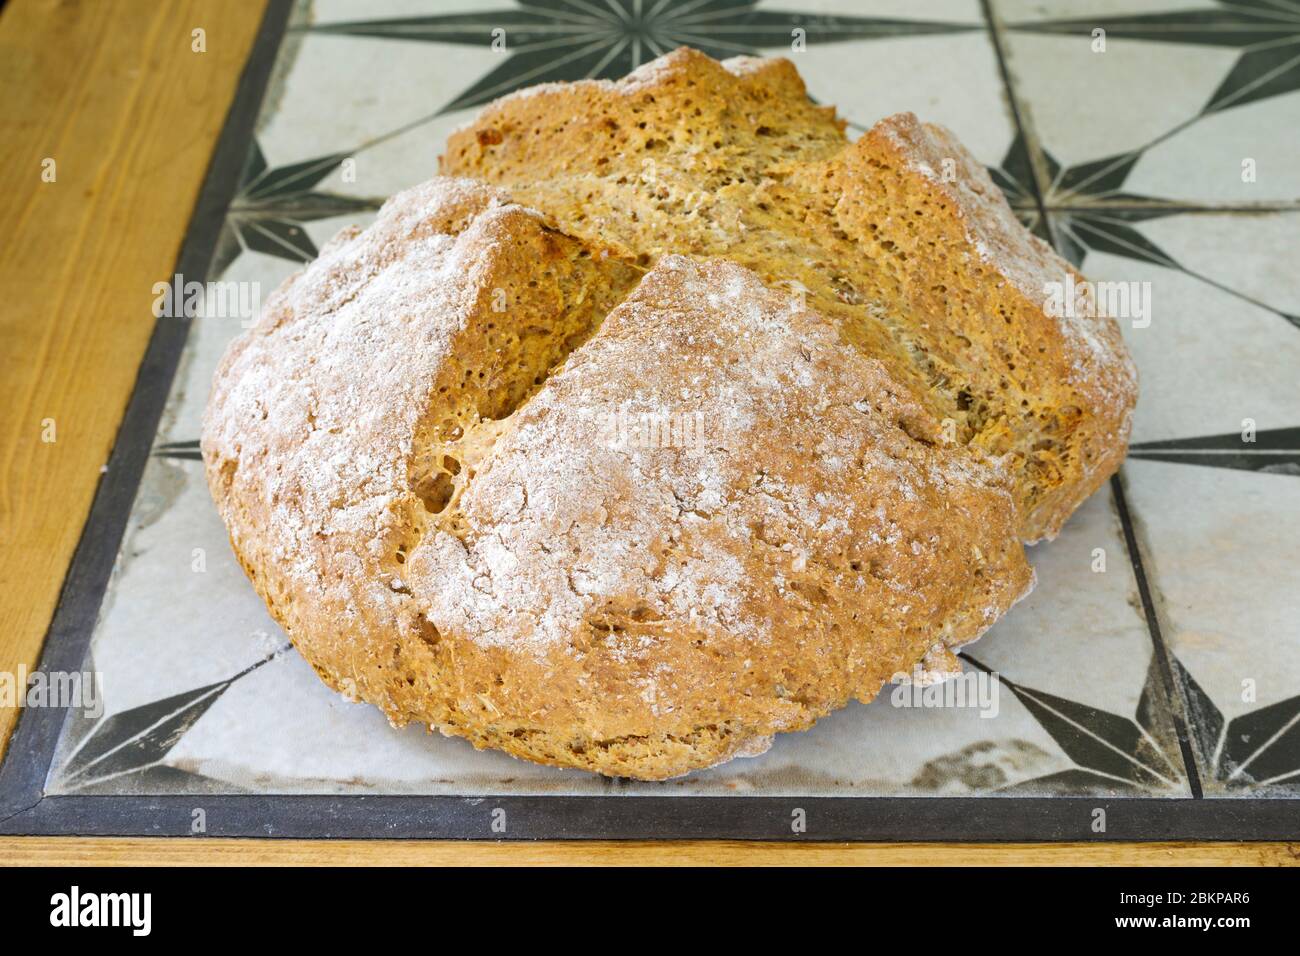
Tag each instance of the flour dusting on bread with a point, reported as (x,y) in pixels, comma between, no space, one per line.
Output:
(680,424)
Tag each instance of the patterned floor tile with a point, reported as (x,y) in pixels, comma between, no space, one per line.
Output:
(1227,593)
(1214,482)
(1220,300)
(1194,104)
(963,91)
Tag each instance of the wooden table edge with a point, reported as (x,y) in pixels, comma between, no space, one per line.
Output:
(200,851)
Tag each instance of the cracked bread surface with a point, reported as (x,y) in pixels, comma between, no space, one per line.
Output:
(638,604)
(900,238)
(680,424)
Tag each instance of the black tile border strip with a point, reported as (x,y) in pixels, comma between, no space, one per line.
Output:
(25,810)
(852,819)
(22,776)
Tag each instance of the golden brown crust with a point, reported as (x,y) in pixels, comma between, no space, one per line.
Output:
(901,238)
(1056,394)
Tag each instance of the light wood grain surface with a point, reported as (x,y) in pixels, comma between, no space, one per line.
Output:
(179,852)
(114,94)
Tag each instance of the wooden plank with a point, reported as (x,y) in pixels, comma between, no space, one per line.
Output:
(64,851)
(117,97)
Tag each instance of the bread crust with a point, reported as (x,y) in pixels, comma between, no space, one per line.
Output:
(509,464)
(901,238)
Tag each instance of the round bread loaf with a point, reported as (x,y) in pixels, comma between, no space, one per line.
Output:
(556,488)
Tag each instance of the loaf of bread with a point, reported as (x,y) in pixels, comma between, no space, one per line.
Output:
(669,421)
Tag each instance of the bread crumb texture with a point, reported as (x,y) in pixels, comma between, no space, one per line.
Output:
(668,420)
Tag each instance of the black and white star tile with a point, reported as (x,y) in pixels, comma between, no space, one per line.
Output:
(271,208)
(545,41)
(1200,97)
(1167,159)
(1220,545)
(1086,208)
(1213,478)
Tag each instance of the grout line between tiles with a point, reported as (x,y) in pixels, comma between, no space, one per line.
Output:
(1173,208)
(1159,648)
(1023,130)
